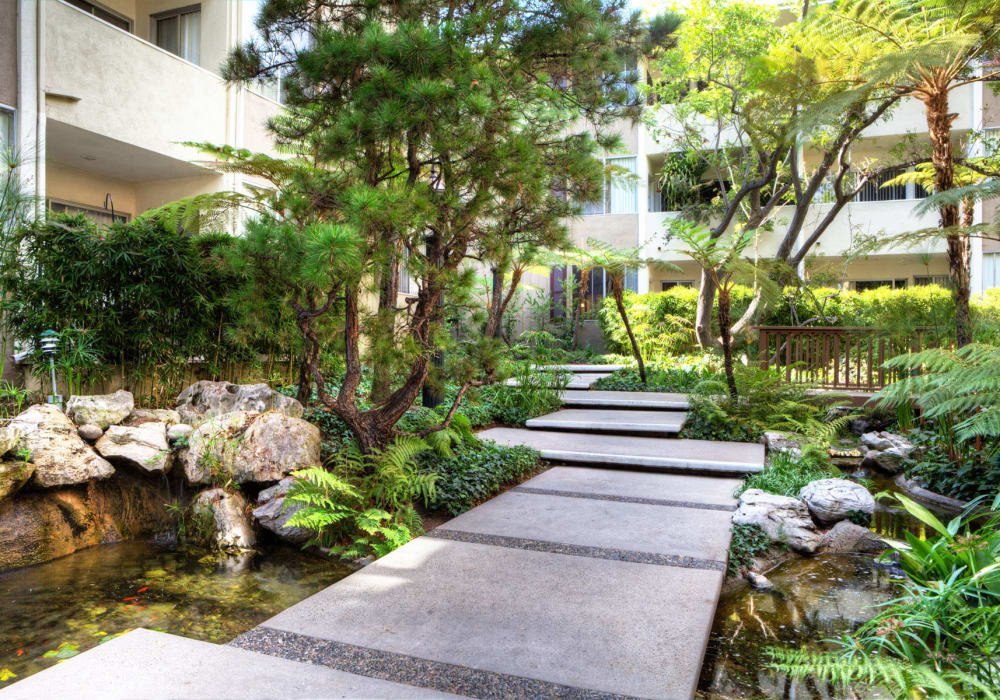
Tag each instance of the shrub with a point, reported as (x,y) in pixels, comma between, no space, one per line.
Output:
(536,393)
(476,473)
(964,474)
(785,474)
(673,379)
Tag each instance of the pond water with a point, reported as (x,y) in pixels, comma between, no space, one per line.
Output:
(814,599)
(66,606)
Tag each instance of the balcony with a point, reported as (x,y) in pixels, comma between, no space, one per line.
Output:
(856,219)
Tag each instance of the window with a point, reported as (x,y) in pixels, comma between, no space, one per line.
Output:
(96,214)
(925,280)
(670,284)
(862,285)
(404,276)
(621,193)
(179,32)
(873,191)
(6,131)
(991,270)
(107,15)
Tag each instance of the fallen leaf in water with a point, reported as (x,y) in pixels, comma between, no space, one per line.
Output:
(6,674)
(20,652)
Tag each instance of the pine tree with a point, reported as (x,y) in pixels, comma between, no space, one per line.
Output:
(427,115)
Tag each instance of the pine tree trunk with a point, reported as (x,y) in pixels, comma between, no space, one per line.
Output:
(727,340)
(617,293)
(385,324)
(939,122)
(703,315)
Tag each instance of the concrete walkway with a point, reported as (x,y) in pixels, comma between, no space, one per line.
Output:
(603,420)
(625,399)
(581,583)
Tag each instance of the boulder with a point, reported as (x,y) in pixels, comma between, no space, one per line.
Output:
(886,441)
(832,500)
(153,415)
(205,399)
(14,474)
(251,447)
(181,431)
(783,518)
(100,409)
(90,432)
(60,456)
(272,513)
(886,451)
(759,581)
(141,446)
(37,526)
(776,441)
(10,437)
(228,511)
(846,537)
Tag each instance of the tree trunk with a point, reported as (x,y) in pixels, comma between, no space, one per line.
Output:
(385,322)
(727,340)
(703,315)
(494,317)
(616,291)
(939,122)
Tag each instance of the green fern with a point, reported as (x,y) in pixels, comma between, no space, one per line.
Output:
(903,679)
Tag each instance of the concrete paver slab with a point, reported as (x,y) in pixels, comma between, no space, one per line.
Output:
(597,398)
(577,381)
(153,665)
(636,452)
(581,368)
(634,629)
(610,420)
(682,531)
(713,490)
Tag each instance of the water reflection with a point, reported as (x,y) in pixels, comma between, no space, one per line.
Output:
(74,603)
(814,599)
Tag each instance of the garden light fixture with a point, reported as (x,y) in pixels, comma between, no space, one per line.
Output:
(49,341)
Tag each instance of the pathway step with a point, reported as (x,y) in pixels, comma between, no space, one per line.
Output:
(610,420)
(596,398)
(577,381)
(606,369)
(673,454)
(157,666)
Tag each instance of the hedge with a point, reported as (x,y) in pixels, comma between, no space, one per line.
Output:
(663,322)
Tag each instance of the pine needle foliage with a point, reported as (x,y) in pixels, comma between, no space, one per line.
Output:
(961,387)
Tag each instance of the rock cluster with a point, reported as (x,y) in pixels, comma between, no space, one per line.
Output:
(220,433)
(885,451)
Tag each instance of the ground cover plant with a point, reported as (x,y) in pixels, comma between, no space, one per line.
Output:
(785,474)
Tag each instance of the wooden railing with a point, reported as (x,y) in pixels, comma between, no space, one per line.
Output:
(836,357)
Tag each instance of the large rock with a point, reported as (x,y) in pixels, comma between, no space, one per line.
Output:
(14,474)
(142,446)
(832,500)
(10,437)
(250,447)
(846,537)
(886,451)
(60,456)
(228,511)
(90,432)
(153,415)
(100,409)
(776,441)
(272,512)
(176,433)
(205,399)
(783,518)
(36,526)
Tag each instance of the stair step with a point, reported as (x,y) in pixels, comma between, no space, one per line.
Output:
(577,381)
(669,454)
(625,399)
(581,368)
(604,420)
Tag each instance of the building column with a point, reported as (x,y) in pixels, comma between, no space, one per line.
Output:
(976,243)
(30,122)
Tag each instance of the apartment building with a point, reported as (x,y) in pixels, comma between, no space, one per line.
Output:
(98,96)
(633,212)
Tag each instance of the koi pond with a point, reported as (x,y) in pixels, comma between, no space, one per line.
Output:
(813,599)
(56,610)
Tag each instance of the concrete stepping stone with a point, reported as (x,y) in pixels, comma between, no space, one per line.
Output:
(610,420)
(577,381)
(596,398)
(637,452)
(678,533)
(496,616)
(606,369)
(637,487)
(157,666)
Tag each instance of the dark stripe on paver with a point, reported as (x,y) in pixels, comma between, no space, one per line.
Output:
(411,670)
(576,550)
(624,499)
